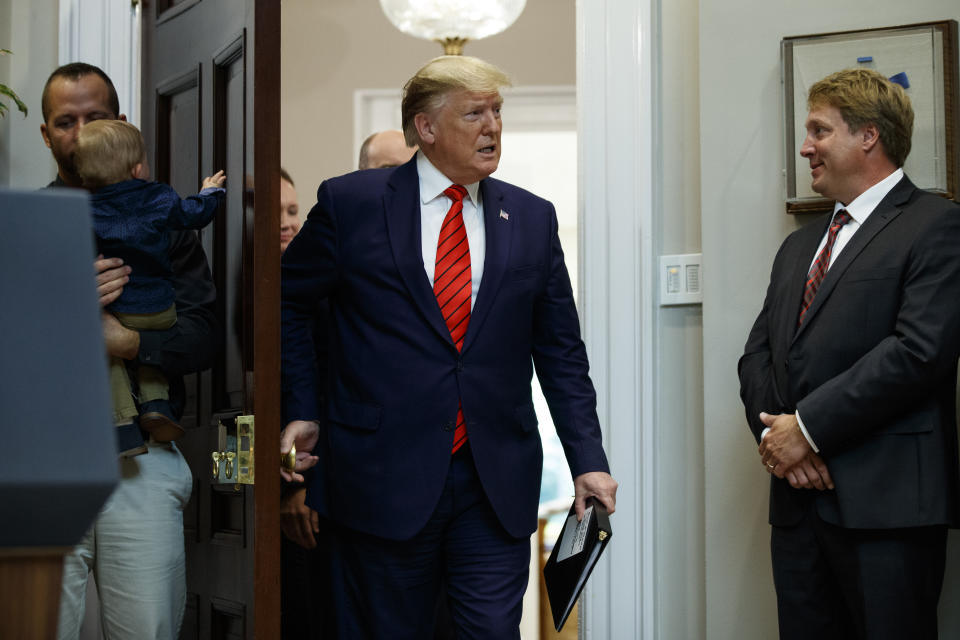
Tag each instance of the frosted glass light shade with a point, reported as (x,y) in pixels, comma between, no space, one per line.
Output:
(452,19)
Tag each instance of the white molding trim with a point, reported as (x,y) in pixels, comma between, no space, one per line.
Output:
(105,33)
(374,110)
(615,76)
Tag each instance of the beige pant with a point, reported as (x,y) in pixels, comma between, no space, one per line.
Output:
(153,384)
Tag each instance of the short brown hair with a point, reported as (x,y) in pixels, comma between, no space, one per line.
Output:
(74,71)
(863,96)
(426,90)
(107,151)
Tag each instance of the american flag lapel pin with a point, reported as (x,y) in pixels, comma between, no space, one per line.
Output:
(504,214)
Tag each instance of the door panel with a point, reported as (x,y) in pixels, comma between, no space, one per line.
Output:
(207,106)
(230,153)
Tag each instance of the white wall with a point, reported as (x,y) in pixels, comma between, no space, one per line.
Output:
(743,223)
(29,29)
(679,346)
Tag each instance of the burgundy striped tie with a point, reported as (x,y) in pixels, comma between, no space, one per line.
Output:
(822,263)
(452,283)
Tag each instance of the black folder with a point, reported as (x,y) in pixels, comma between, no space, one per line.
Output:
(573,558)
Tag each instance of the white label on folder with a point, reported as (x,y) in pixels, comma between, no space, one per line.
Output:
(574,535)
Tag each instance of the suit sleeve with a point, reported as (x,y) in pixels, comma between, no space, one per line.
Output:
(308,273)
(755,368)
(192,344)
(561,362)
(904,367)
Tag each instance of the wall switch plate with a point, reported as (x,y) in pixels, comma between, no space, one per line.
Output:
(681,279)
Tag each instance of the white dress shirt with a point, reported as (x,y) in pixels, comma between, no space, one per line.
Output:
(859,210)
(433,209)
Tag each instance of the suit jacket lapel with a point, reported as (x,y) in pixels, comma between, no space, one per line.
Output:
(888,209)
(402,214)
(498,232)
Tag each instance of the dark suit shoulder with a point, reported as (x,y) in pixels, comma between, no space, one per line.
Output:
(358,183)
(909,197)
(931,204)
(517,193)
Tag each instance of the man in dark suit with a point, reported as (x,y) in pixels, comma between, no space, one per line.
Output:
(849,379)
(446,289)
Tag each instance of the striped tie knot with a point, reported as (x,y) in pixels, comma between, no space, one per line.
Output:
(455,192)
(839,220)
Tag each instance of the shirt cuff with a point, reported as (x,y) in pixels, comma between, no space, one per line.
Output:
(151,346)
(806,434)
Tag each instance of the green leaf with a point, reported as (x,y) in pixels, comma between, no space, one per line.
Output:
(7,91)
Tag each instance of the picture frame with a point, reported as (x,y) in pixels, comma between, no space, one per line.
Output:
(921,57)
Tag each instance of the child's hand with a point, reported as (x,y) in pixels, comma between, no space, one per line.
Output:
(215,181)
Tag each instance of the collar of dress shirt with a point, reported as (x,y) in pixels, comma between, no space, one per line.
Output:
(433,183)
(864,204)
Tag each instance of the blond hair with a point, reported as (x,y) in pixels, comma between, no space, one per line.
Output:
(863,96)
(426,91)
(107,151)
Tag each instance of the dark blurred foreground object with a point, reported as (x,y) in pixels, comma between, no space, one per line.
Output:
(58,460)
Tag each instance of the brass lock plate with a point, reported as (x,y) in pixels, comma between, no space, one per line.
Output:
(233,459)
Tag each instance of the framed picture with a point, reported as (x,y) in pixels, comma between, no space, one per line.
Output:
(922,58)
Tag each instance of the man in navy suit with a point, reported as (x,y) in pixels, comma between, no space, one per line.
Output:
(446,289)
(849,379)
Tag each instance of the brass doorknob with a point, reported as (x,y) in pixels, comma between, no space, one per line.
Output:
(289,459)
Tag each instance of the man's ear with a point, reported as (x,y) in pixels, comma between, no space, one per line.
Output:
(122,116)
(425,128)
(869,136)
(43,132)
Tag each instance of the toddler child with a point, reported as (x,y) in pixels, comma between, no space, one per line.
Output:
(132,219)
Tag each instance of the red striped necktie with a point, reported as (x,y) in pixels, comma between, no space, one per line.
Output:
(822,263)
(452,283)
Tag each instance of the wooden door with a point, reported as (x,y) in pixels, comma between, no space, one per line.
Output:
(210,101)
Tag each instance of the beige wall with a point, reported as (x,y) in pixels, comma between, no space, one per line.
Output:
(331,48)
(27,28)
(678,356)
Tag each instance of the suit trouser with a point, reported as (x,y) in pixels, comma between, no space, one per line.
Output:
(388,589)
(306,590)
(135,550)
(840,584)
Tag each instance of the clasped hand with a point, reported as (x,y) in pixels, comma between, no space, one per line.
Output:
(786,453)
